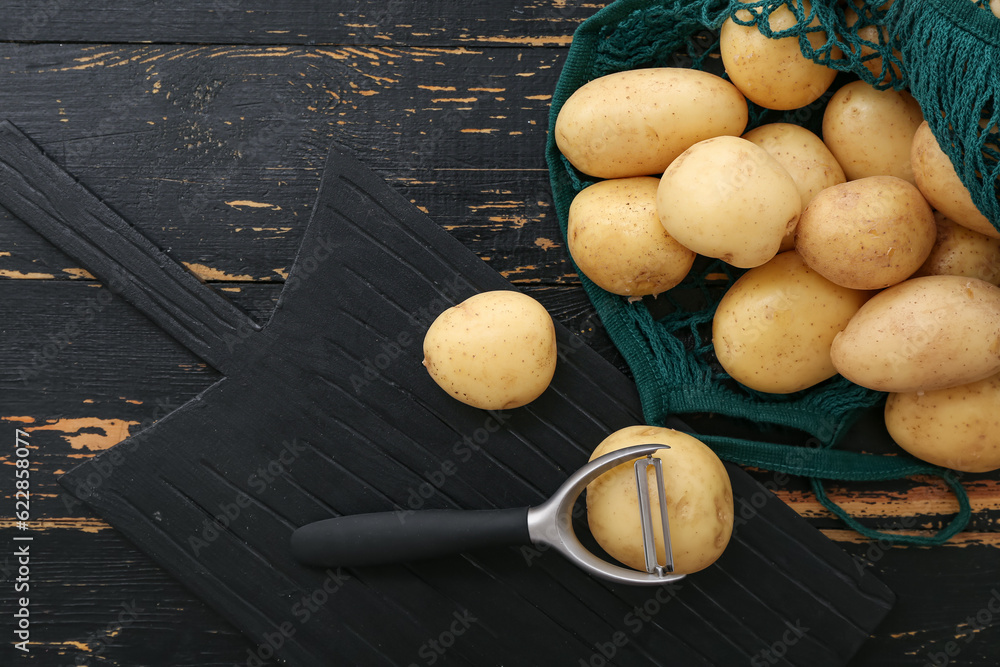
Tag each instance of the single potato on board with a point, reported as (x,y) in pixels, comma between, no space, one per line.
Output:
(773,72)
(867,234)
(634,123)
(616,238)
(698,494)
(730,199)
(871,131)
(923,334)
(774,327)
(956,428)
(939,182)
(495,350)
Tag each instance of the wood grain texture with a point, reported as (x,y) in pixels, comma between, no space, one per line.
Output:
(386,22)
(209,139)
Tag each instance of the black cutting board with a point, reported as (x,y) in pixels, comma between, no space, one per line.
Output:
(327,410)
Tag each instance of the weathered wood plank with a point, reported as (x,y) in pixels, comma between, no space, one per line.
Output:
(214,152)
(385,22)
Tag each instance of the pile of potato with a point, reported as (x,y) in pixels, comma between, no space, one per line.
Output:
(865,254)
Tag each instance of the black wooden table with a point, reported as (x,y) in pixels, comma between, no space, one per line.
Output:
(206,126)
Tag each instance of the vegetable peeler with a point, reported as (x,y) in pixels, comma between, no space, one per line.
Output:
(399,536)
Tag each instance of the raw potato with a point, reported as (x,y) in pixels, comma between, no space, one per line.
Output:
(871,131)
(774,327)
(698,494)
(867,234)
(495,350)
(876,34)
(956,428)
(959,251)
(773,72)
(804,156)
(728,198)
(940,184)
(923,334)
(616,238)
(635,123)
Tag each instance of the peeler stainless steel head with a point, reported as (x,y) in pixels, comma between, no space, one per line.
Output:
(393,537)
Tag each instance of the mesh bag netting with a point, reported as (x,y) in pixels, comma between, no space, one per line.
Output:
(945,52)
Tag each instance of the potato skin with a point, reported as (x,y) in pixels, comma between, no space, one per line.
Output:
(773,72)
(867,234)
(774,327)
(698,493)
(871,131)
(940,184)
(876,35)
(634,123)
(803,155)
(956,428)
(616,238)
(959,251)
(728,198)
(495,350)
(923,334)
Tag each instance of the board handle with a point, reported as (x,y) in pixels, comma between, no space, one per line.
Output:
(397,537)
(53,203)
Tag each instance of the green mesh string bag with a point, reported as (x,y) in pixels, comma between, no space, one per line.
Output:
(666,340)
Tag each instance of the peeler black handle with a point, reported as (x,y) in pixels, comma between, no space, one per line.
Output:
(397,537)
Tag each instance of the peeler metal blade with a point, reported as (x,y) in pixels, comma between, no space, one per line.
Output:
(646,515)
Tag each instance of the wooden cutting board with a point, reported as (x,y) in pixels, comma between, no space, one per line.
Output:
(327,410)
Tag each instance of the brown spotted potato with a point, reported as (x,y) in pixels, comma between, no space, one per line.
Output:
(635,123)
(495,350)
(699,500)
(774,327)
(616,238)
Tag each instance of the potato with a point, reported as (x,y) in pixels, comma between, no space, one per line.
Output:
(866,234)
(774,327)
(495,350)
(876,34)
(804,156)
(871,131)
(728,198)
(616,238)
(635,123)
(698,494)
(959,251)
(956,428)
(773,72)
(940,184)
(923,334)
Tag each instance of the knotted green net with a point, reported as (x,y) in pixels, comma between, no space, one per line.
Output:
(946,52)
